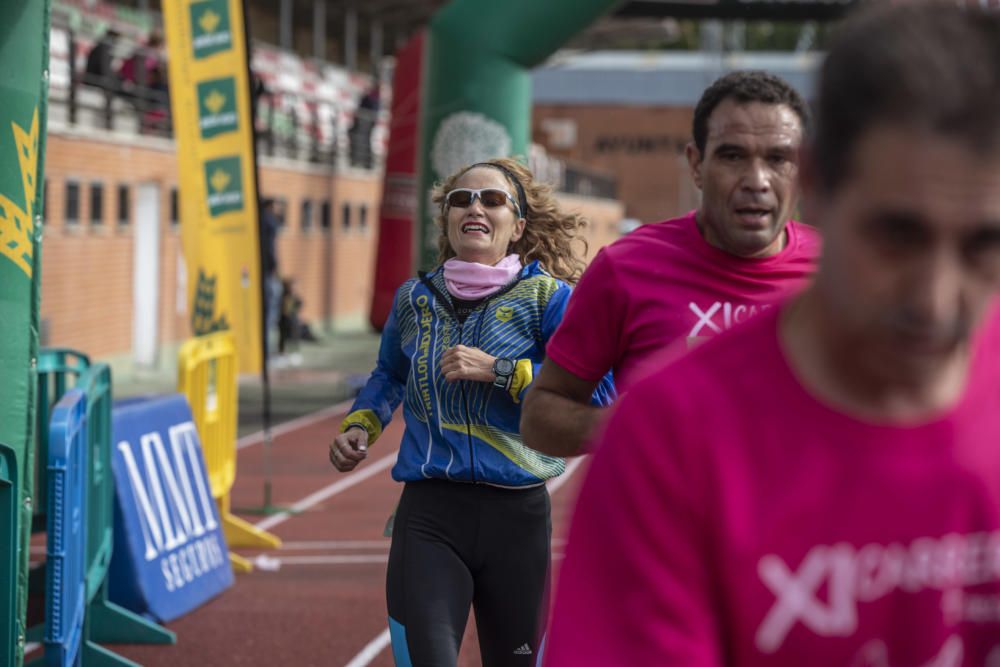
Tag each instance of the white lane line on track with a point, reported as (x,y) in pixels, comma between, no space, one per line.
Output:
(342,484)
(371,651)
(348,545)
(301,422)
(344,559)
(351,559)
(377,645)
(333,545)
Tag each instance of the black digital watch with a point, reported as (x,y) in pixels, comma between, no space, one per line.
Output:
(503,368)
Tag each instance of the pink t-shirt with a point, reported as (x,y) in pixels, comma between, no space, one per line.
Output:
(663,283)
(731,518)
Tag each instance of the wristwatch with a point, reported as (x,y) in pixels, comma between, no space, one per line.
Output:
(503,368)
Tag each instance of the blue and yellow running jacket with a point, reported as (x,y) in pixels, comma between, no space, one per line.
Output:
(464,431)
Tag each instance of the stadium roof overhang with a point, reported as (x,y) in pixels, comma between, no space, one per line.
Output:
(418,12)
(411,15)
(774,10)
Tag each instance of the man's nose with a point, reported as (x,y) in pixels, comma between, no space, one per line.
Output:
(757,177)
(938,289)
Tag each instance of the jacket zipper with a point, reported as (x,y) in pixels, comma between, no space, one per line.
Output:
(476,333)
(480,312)
(465,395)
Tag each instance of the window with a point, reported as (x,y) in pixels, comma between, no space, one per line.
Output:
(175,214)
(345,220)
(324,215)
(72,212)
(306,219)
(96,204)
(124,206)
(363,218)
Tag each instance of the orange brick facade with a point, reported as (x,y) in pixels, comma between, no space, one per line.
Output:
(88,266)
(642,146)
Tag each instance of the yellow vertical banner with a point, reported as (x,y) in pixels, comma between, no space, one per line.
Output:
(210,102)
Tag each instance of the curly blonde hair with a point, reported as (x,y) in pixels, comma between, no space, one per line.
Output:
(549,234)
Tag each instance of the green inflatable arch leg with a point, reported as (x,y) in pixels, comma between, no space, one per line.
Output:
(477,92)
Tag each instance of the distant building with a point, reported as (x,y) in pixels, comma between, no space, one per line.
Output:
(630,113)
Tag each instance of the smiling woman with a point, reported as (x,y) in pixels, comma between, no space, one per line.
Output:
(460,350)
(539,230)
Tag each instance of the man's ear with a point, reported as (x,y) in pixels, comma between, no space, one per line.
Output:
(694,163)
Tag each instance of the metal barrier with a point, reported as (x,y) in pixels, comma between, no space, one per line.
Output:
(95,383)
(58,370)
(207,374)
(65,569)
(106,621)
(10,540)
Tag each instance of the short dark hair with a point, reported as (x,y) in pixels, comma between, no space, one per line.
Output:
(745,86)
(930,66)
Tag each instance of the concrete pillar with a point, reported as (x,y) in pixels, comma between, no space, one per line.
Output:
(319,29)
(285,19)
(376,46)
(351,38)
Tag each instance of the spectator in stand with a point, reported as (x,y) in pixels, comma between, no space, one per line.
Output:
(269,225)
(360,134)
(144,77)
(289,326)
(100,71)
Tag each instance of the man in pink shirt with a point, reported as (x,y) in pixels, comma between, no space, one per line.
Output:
(692,277)
(822,486)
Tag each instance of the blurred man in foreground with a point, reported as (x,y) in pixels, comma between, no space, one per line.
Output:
(822,486)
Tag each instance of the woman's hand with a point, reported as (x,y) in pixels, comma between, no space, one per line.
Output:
(349,449)
(467,363)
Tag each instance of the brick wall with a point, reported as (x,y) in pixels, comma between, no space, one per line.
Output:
(642,146)
(87,267)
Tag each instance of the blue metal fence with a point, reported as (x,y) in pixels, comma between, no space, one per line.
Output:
(66,497)
(59,370)
(10,539)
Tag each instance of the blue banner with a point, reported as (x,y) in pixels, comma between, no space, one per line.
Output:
(170,554)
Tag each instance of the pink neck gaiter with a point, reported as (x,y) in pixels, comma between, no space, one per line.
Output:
(471,281)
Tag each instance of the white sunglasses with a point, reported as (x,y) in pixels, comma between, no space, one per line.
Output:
(490,198)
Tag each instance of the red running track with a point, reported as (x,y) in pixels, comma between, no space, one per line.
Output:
(320,599)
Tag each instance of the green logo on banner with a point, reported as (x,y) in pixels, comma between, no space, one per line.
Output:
(224,184)
(217,107)
(211,29)
(203,319)
(17,225)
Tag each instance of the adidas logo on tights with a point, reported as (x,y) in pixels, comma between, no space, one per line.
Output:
(523,649)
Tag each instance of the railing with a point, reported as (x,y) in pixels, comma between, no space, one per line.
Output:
(308,129)
(571,177)
(298,127)
(581,180)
